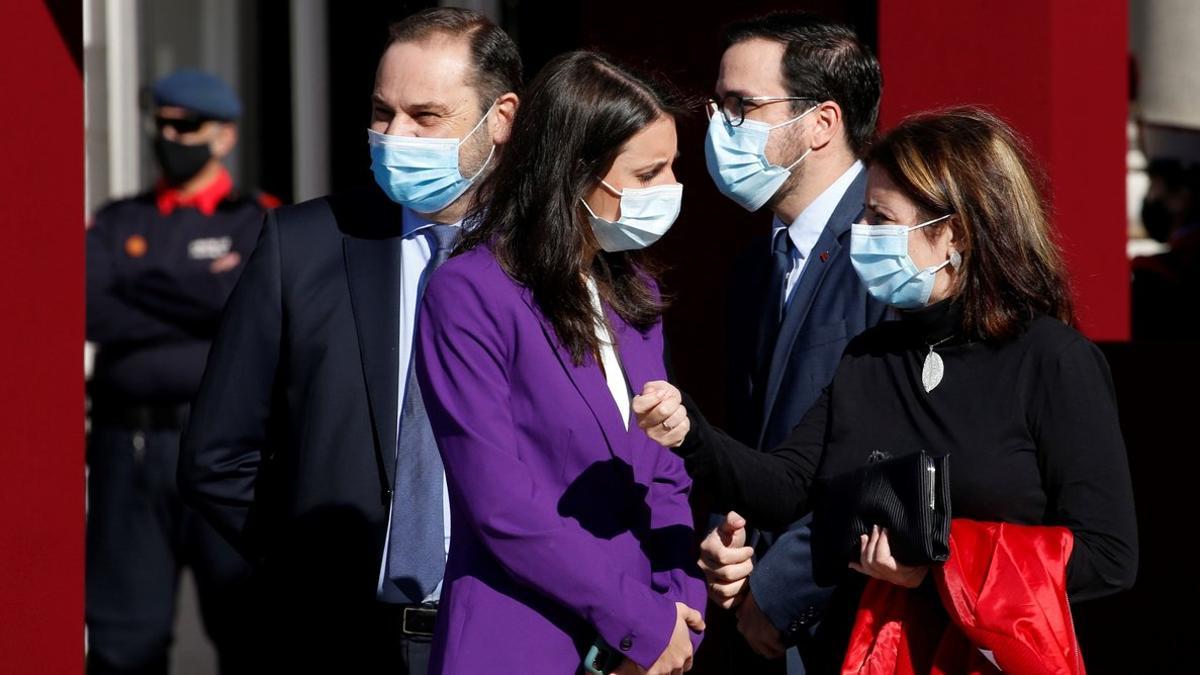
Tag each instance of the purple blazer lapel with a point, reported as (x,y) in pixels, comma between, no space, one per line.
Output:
(638,359)
(633,347)
(590,384)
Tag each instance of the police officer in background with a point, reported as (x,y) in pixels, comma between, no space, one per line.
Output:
(159,269)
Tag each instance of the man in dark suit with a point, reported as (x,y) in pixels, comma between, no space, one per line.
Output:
(797,98)
(308,446)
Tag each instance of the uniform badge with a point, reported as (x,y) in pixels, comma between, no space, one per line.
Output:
(136,246)
(209,248)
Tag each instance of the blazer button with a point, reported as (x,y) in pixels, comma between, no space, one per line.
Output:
(626,644)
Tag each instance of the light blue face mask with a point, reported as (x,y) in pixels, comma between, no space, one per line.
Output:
(879,253)
(646,215)
(737,159)
(421,173)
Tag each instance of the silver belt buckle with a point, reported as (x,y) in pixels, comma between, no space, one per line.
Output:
(418,621)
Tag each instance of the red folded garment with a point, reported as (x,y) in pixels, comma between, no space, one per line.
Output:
(1003,603)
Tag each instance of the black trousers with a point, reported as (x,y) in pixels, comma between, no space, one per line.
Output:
(139,535)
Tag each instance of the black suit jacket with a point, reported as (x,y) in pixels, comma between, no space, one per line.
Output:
(290,448)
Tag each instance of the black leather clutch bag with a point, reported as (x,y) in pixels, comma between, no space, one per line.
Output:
(909,495)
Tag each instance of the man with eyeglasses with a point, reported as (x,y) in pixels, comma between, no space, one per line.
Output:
(796,102)
(160,266)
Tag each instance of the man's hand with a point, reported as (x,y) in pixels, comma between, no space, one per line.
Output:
(762,635)
(726,560)
(661,414)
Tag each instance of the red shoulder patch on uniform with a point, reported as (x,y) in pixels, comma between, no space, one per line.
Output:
(268,201)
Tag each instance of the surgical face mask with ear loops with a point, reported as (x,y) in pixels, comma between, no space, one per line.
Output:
(646,215)
(422,173)
(737,159)
(879,253)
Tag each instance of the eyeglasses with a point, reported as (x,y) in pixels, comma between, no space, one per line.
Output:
(734,107)
(181,125)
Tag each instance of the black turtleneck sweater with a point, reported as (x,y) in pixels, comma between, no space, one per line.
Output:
(1030,424)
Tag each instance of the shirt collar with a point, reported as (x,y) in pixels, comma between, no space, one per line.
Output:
(205,201)
(807,227)
(412,223)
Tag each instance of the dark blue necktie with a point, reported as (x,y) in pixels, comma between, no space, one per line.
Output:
(416,546)
(773,303)
(781,263)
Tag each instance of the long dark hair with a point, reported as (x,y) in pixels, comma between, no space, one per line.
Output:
(575,117)
(967,162)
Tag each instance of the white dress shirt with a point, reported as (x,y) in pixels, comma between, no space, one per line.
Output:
(614,374)
(807,227)
(416,250)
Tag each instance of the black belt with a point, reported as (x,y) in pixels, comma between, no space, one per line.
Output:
(142,417)
(413,620)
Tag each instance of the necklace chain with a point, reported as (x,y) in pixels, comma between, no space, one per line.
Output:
(931,345)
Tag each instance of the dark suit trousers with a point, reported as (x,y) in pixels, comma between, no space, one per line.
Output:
(139,535)
(308,631)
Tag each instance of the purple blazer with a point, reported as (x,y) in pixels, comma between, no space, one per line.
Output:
(565,526)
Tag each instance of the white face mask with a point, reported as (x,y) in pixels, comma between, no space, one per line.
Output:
(879,253)
(737,159)
(646,215)
(422,173)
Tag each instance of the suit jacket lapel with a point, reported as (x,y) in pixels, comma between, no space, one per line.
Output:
(827,247)
(373,272)
(590,384)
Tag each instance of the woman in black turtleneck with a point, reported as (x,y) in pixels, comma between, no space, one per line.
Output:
(957,241)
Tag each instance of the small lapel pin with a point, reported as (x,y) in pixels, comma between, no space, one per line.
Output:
(824,256)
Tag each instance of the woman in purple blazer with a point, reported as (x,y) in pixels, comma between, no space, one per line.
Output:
(569,525)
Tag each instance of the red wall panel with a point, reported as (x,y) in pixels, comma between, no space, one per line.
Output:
(1056,71)
(41,339)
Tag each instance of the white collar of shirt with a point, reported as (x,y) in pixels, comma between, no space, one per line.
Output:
(807,227)
(412,222)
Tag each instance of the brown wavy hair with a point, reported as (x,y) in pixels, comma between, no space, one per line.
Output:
(967,162)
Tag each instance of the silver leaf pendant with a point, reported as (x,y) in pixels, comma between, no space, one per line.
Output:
(932,371)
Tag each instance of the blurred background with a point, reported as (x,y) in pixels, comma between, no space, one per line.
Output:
(304,70)
(1107,91)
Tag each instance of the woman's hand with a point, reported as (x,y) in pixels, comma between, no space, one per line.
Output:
(676,659)
(726,561)
(628,667)
(660,412)
(875,560)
